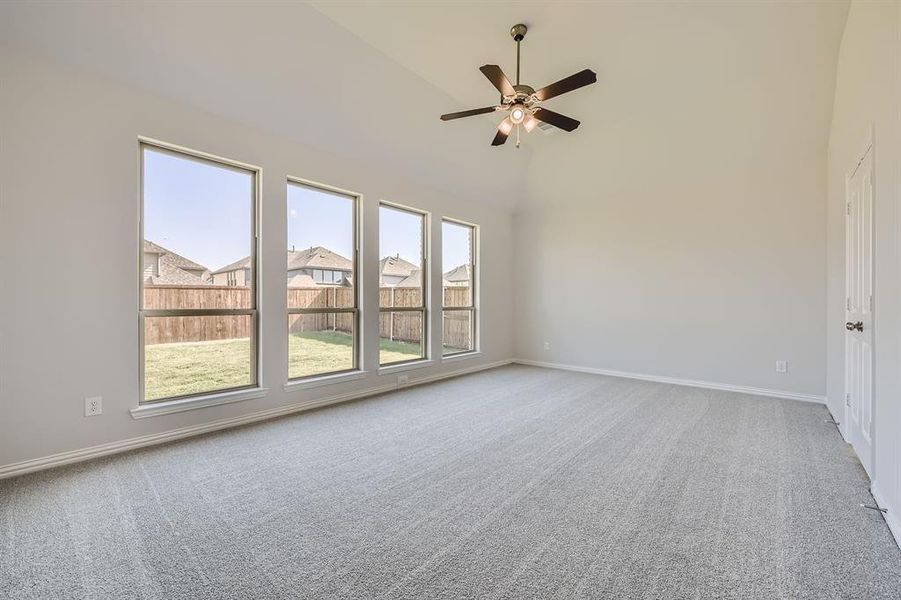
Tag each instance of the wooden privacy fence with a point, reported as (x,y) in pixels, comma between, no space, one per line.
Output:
(165,330)
(321,297)
(398,326)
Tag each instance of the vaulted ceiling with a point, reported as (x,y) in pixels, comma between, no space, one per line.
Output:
(681,86)
(678,83)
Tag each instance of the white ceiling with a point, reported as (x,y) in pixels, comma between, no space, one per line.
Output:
(677,82)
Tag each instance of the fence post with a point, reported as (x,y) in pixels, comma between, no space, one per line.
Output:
(391,330)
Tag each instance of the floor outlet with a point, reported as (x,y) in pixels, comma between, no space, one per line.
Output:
(93,406)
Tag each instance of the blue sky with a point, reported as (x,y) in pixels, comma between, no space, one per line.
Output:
(197,209)
(202,211)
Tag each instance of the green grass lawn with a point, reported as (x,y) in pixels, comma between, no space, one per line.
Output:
(314,352)
(195,367)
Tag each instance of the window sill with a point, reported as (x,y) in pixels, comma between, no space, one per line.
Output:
(174,406)
(312,382)
(461,356)
(417,364)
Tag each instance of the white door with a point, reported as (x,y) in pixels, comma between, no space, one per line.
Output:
(858,422)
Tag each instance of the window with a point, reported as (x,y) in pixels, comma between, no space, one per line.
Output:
(403,284)
(322,316)
(458,254)
(198,221)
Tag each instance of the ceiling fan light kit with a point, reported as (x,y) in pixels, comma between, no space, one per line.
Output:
(522,103)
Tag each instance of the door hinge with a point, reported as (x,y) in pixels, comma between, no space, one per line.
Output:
(848,399)
(848,208)
(848,303)
(871,303)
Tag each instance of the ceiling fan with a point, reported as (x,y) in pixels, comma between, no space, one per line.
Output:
(522,102)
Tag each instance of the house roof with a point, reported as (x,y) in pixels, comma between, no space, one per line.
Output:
(175,260)
(414,279)
(395,266)
(461,273)
(172,274)
(318,257)
(244,263)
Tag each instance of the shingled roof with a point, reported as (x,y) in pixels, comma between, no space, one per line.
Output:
(395,266)
(175,260)
(461,273)
(244,263)
(318,257)
(414,279)
(175,269)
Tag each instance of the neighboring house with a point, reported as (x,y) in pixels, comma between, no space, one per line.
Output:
(393,270)
(320,264)
(414,279)
(305,268)
(237,273)
(301,280)
(164,267)
(459,276)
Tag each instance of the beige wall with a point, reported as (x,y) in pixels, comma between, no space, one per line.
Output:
(686,238)
(69,170)
(868,95)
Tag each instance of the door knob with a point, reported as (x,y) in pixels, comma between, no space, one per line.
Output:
(858,326)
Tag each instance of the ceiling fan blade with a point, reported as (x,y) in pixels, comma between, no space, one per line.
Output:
(497,78)
(567,84)
(467,113)
(503,130)
(555,119)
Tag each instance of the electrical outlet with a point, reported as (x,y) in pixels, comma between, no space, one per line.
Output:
(547,345)
(403,380)
(781,366)
(93,406)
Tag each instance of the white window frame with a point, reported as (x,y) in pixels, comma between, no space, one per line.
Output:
(425,343)
(212,397)
(473,307)
(357,369)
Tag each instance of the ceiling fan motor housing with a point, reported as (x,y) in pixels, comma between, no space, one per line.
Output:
(523,91)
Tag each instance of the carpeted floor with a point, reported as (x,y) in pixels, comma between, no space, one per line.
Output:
(513,483)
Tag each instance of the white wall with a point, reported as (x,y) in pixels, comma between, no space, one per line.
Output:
(69,177)
(868,94)
(684,236)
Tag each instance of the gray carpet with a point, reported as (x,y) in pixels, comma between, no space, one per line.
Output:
(513,483)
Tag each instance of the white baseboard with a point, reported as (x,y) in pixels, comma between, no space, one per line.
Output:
(891,517)
(73,456)
(726,387)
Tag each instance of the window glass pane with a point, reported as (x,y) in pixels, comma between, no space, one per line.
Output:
(321,242)
(400,336)
(192,355)
(320,343)
(401,257)
(457,331)
(456,257)
(197,230)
